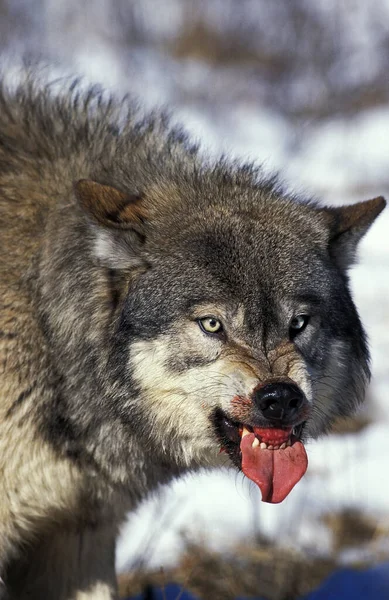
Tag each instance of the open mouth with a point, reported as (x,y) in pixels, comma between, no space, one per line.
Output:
(274,458)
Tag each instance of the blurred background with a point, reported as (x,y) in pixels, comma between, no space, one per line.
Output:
(302,87)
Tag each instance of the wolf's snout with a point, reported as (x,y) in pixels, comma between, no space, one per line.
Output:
(280,402)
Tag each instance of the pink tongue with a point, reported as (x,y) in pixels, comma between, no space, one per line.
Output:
(276,472)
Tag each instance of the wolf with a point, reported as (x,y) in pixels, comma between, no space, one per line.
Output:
(156,308)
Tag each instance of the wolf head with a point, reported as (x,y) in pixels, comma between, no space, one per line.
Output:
(237,331)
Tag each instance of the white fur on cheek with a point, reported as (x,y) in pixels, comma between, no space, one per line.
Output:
(180,403)
(174,401)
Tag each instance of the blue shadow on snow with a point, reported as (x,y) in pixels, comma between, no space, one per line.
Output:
(346,584)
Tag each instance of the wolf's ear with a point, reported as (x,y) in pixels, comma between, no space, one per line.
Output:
(119,223)
(109,206)
(348,224)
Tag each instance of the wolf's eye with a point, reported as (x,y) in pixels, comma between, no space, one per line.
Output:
(298,324)
(210,325)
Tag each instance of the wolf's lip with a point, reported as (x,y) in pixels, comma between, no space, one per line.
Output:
(232,431)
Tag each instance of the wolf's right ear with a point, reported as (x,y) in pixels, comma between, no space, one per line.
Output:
(348,224)
(118,221)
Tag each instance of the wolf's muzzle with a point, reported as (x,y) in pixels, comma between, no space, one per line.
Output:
(280,402)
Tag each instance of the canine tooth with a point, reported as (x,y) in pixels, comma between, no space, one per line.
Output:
(255,443)
(263,445)
(245,431)
(283,446)
(288,443)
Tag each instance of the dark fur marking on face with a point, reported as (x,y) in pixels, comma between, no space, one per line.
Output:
(310,299)
(181,363)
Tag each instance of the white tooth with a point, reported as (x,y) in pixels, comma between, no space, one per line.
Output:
(263,445)
(283,446)
(245,432)
(270,447)
(255,443)
(276,447)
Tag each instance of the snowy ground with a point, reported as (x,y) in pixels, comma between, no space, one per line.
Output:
(340,161)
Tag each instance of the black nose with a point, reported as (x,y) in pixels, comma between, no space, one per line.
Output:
(279,401)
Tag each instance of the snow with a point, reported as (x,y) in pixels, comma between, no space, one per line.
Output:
(338,160)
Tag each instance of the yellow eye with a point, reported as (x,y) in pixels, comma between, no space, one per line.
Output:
(297,325)
(210,325)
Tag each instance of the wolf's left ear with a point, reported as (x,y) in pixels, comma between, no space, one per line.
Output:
(348,224)
(118,221)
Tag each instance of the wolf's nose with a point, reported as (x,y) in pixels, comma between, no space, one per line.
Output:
(279,401)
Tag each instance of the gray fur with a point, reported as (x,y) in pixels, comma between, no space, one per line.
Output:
(109,388)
